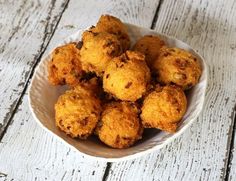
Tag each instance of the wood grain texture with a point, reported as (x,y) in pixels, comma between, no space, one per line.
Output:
(201,153)
(86,13)
(29,153)
(26,27)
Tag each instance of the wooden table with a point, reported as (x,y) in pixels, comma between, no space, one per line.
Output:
(28,29)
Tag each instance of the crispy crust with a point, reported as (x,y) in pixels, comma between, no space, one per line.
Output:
(177,66)
(113,25)
(97,51)
(150,46)
(127,76)
(164,108)
(120,126)
(65,66)
(77,112)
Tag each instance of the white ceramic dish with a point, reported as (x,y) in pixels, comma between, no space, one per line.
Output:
(42,97)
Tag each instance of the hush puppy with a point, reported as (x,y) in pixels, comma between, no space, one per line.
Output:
(65,65)
(113,25)
(77,111)
(97,50)
(120,126)
(164,108)
(177,66)
(150,46)
(126,77)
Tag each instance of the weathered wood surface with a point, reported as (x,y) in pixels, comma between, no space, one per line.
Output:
(27,152)
(26,27)
(83,14)
(201,153)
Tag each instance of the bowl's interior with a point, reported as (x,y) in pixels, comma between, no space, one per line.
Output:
(43,96)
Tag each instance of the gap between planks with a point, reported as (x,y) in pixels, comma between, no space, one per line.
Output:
(19,101)
(231,146)
(231,132)
(109,164)
(107,171)
(156,14)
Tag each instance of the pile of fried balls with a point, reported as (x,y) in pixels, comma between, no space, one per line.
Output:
(116,90)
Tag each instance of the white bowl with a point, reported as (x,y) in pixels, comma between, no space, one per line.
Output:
(43,96)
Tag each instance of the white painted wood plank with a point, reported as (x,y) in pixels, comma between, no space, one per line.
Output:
(26,151)
(201,153)
(84,14)
(25,28)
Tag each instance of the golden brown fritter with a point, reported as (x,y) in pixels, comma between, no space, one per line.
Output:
(120,126)
(126,77)
(97,50)
(164,108)
(77,111)
(150,46)
(65,65)
(113,25)
(177,66)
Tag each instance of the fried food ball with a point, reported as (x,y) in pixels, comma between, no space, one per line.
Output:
(177,66)
(120,126)
(126,77)
(77,111)
(150,46)
(113,25)
(97,50)
(164,108)
(65,65)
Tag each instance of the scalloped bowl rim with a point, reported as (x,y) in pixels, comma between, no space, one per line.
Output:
(138,154)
